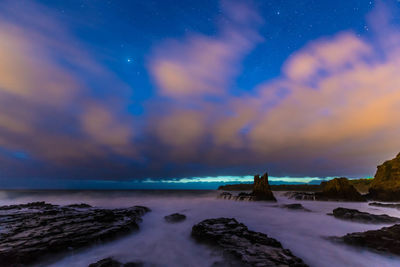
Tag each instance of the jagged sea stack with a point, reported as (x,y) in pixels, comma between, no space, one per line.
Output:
(386,184)
(261,188)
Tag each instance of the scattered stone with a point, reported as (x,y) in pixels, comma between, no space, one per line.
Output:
(294,206)
(364,217)
(32,231)
(386,239)
(386,184)
(385,205)
(110,262)
(243,247)
(175,218)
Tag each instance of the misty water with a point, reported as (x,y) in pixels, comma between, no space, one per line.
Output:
(158,243)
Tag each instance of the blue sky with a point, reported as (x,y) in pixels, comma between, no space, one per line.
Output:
(137,90)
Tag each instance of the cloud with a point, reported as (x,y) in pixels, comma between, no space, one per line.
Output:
(47,106)
(201,65)
(335,109)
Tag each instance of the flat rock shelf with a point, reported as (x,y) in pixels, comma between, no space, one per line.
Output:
(242,247)
(30,232)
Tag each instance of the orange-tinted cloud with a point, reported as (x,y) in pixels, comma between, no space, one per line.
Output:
(47,108)
(202,65)
(334,109)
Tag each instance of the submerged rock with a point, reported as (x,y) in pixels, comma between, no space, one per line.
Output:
(385,205)
(386,239)
(300,195)
(240,197)
(365,217)
(386,184)
(175,218)
(31,231)
(110,262)
(294,206)
(243,247)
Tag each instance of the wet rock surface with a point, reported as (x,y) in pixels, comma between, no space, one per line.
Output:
(294,206)
(386,239)
(385,205)
(242,247)
(300,195)
(110,262)
(386,184)
(239,197)
(175,218)
(30,232)
(364,217)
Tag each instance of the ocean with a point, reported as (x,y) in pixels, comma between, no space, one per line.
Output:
(158,243)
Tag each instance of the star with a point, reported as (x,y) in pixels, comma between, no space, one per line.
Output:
(129,60)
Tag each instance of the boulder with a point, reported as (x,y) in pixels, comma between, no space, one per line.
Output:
(175,218)
(339,189)
(243,247)
(261,188)
(364,217)
(386,184)
(30,232)
(386,239)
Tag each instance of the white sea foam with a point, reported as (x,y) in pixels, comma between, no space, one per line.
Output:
(164,244)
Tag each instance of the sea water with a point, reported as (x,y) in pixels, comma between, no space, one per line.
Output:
(158,243)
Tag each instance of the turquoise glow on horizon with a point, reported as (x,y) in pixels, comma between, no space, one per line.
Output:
(235,179)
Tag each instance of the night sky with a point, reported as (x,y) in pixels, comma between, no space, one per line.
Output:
(117,91)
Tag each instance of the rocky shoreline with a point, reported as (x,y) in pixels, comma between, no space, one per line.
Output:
(31,232)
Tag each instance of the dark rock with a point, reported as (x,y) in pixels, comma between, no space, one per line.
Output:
(364,217)
(385,205)
(294,206)
(386,239)
(339,189)
(261,188)
(110,262)
(300,195)
(236,187)
(32,231)
(240,197)
(386,184)
(80,206)
(175,218)
(243,247)
(261,191)
(274,187)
